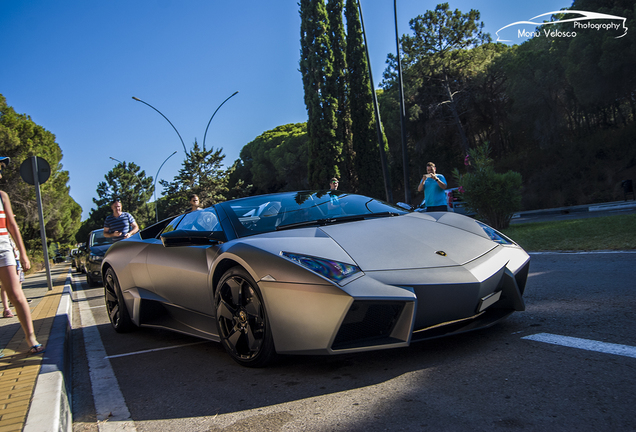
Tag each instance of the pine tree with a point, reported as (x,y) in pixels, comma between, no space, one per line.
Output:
(21,138)
(129,183)
(443,49)
(202,174)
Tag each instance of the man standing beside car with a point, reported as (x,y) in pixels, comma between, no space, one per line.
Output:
(433,185)
(120,225)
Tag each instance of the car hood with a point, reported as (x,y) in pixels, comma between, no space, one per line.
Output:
(411,241)
(100,250)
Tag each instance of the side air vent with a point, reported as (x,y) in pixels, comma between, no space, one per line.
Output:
(522,277)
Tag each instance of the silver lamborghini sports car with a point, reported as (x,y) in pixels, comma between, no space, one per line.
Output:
(313,273)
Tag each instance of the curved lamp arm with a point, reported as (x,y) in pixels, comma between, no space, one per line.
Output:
(175,129)
(206,128)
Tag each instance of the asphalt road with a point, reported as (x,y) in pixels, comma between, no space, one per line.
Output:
(487,380)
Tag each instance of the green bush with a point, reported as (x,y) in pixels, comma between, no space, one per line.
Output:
(493,196)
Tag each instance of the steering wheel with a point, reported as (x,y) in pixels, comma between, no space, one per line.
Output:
(204,222)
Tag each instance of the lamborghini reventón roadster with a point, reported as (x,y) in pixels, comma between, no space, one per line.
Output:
(313,273)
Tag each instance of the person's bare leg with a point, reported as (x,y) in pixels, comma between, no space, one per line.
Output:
(12,286)
(5,304)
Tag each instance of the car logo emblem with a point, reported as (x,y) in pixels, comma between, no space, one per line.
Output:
(442,253)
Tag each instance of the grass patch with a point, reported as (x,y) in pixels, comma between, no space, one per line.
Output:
(602,233)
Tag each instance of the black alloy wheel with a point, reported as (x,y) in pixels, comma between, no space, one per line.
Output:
(115,307)
(242,319)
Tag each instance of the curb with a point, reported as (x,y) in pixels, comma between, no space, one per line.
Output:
(617,205)
(50,408)
(612,206)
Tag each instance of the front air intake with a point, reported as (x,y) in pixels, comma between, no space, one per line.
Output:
(368,322)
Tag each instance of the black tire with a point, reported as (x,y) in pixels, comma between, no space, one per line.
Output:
(89,280)
(242,319)
(115,306)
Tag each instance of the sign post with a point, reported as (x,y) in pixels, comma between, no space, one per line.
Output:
(34,171)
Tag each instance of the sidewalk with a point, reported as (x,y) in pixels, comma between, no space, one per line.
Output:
(33,390)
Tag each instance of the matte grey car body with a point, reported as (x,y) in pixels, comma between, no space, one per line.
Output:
(313,273)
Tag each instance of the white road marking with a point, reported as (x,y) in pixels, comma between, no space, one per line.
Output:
(112,412)
(585,344)
(598,252)
(155,349)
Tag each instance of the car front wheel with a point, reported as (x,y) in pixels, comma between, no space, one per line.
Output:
(242,319)
(115,306)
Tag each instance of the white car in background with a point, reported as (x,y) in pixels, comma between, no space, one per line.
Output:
(454,203)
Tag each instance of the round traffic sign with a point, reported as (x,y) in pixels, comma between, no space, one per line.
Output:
(43,170)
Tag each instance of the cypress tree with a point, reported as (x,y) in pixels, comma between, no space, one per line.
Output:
(316,66)
(338,88)
(367,171)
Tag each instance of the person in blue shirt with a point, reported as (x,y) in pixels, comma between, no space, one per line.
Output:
(433,185)
(119,225)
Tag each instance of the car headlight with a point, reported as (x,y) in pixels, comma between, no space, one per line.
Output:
(495,235)
(330,269)
(95,258)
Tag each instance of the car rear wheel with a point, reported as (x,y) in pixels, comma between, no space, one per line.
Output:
(115,306)
(242,319)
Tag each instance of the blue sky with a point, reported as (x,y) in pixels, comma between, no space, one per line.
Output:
(74,66)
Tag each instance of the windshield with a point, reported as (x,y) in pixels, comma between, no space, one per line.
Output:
(200,220)
(98,239)
(266,213)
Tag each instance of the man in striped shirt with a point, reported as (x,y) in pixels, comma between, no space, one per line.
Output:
(119,225)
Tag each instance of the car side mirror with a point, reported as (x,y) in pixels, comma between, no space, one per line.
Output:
(192,238)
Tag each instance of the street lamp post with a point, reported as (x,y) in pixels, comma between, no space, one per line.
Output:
(378,121)
(182,143)
(405,158)
(175,129)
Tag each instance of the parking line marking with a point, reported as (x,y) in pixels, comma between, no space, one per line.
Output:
(110,405)
(598,252)
(585,344)
(154,349)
